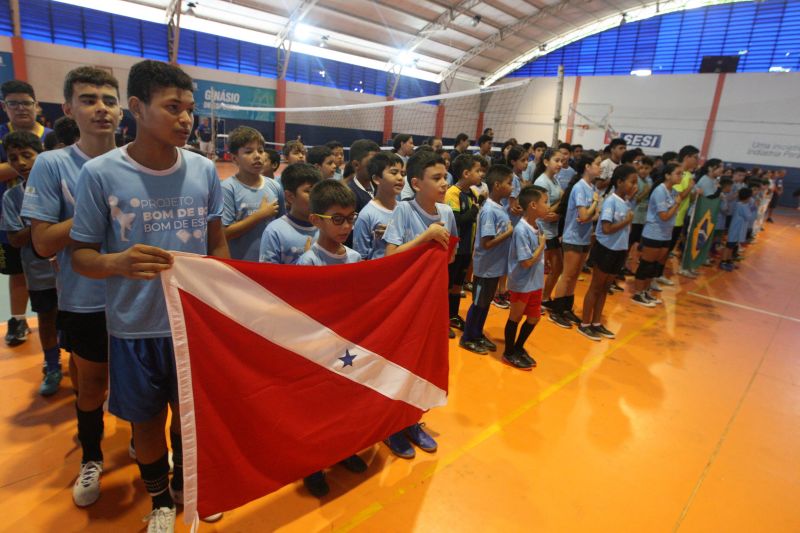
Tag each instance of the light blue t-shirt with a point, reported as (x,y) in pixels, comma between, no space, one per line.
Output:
(39,273)
(364,239)
(120,203)
(284,241)
(725,210)
(576,232)
(554,193)
(707,185)
(564,176)
(527,174)
(615,209)
(492,221)
(409,220)
(661,200)
(516,188)
(640,207)
(318,256)
(524,242)
(742,217)
(239,201)
(50,197)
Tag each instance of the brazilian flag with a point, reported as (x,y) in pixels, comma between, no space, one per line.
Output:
(701,231)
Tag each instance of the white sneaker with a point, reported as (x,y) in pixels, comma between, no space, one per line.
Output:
(177,497)
(161,520)
(665,281)
(86,490)
(687,273)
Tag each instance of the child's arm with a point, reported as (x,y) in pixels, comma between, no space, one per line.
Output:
(265,210)
(490,242)
(140,261)
(610,227)
(436,232)
(537,253)
(217,245)
(587,213)
(666,215)
(48,238)
(20,238)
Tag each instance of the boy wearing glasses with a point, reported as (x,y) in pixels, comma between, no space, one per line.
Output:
(19,103)
(288,237)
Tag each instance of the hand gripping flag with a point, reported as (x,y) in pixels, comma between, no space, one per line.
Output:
(701,232)
(286,370)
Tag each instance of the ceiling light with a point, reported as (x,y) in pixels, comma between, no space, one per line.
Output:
(322,73)
(779,69)
(405,58)
(302,32)
(323,41)
(641,72)
(475,20)
(743,52)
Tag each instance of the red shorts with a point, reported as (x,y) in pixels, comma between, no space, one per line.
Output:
(532,301)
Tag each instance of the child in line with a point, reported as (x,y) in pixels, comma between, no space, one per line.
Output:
(743,215)
(287,238)
(422,219)
(361,151)
(272,165)
(609,250)
(118,238)
(333,214)
(322,157)
(294,152)
(385,169)
(22,148)
(639,201)
(546,170)
(250,201)
(525,277)
(459,197)
(579,214)
(337,149)
(490,257)
(725,210)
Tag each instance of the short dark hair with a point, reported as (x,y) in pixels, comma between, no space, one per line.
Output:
(361,149)
(66,130)
(527,146)
(744,192)
(725,181)
(328,193)
(333,145)
(148,76)
(740,169)
(274,156)
(50,141)
(487,130)
(417,163)
(17,87)
(576,146)
(540,144)
(619,141)
(89,75)
(484,138)
(461,137)
(460,164)
(399,139)
(318,154)
(528,194)
(298,174)
(289,146)
(646,161)
(669,156)
(22,140)
(241,137)
(629,156)
(381,162)
(687,151)
(496,174)
(515,153)
(565,146)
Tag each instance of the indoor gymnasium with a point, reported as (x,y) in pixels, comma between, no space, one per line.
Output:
(415,266)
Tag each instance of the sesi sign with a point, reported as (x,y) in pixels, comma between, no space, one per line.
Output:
(641,140)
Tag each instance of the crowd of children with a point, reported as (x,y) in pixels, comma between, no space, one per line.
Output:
(83,221)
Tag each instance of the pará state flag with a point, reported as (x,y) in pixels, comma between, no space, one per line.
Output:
(286,370)
(701,232)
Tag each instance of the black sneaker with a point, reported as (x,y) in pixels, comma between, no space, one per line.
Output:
(457,322)
(601,330)
(616,288)
(355,464)
(17,332)
(486,343)
(560,321)
(525,355)
(316,484)
(642,300)
(572,317)
(517,361)
(547,305)
(589,333)
(468,287)
(452,334)
(473,346)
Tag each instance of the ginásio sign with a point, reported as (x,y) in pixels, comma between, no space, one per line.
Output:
(209,95)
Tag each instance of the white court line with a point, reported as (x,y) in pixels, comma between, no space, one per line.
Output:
(740,306)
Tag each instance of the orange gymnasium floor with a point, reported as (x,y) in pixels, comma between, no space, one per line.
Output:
(688,422)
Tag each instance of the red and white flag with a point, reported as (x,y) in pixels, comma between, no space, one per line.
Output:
(285,370)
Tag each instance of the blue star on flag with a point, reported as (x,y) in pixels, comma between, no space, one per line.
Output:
(347,360)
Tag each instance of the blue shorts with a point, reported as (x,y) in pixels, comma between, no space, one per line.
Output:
(142,378)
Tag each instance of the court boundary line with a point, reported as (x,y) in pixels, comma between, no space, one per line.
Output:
(742,306)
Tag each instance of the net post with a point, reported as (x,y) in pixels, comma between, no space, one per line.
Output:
(559,99)
(388,119)
(571,116)
(479,128)
(280,117)
(439,128)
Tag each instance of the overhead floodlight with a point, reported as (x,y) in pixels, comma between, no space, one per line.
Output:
(475,20)
(641,72)
(322,73)
(743,52)
(779,69)
(302,32)
(405,58)
(323,41)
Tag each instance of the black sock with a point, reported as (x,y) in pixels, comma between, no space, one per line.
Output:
(510,335)
(156,481)
(570,302)
(560,304)
(90,432)
(453,300)
(177,460)
(524,333)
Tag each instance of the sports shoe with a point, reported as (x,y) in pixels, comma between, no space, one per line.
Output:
(355,464)
(665,281)
(560,321)
(50,383)
(473,346)
(499,301)
(452,334)
(708,263)
(652,298)
(572,317)
(423,441)
(727,267)
(316,484)
(687,273)
(516,360)
(525,355)
(400,446)
(177,497)
(642,300)
(463,293)
(589,333)
(468,287)
(17,332)
(547,305)
(86,489)
(655,287)
(602,331)
(486,343)
(161,520)
(457,322)
(616,288)
(627,272)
